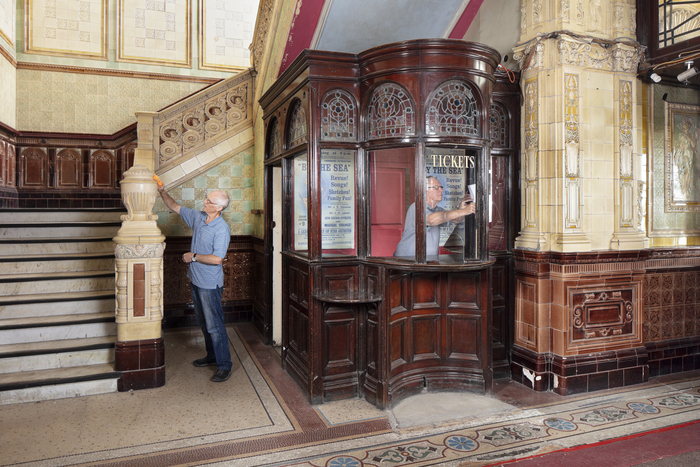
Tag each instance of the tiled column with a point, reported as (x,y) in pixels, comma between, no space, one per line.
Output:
(580,145)
(140,354)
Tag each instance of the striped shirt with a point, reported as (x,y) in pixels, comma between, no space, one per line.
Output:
(208,239)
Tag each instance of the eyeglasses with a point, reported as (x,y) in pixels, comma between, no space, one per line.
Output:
(435,188)
(207,200)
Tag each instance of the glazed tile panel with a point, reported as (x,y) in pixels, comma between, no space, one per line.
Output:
(671,305)
(155,32)
(67,27)
(7,21)
(226,32)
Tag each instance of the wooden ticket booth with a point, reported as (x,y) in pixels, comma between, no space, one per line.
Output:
(379,300)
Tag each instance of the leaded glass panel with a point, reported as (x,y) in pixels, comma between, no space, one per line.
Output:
(338,116)
(679,20)
(391,112)
(297,125)
(275,142)
(452,111)
(499,133)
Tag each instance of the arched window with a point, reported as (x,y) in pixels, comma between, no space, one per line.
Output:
(390,112)
(338,121)
(452,111)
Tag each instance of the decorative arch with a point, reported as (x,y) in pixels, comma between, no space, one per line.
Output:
(297,131)
(34,168)
(338,116)
(452,110)
(391,112)
(499,119)
(102,169)
(68,169)
(274,139)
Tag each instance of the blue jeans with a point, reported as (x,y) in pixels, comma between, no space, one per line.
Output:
(210,317)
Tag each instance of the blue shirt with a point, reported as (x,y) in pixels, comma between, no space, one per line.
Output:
(207,239)
(407,244)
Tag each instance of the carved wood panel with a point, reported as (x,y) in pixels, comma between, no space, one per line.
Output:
(602,313)
(10,166)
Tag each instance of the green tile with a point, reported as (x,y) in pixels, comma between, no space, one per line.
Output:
(248,229)
(224,182)
(236,217)
(188,194)
(248,206)
(200,182)
(236,171)
(249,159)
(236,194)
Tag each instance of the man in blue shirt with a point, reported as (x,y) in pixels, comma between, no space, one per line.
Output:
(435,217)
(210,240)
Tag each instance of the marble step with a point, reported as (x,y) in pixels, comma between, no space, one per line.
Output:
(74,281)
(41,298)
(55,263)
(57,383)
(67,304)
(27,349)
(53,328)
(63,229)
(55,245)
(62,215)
(48,361)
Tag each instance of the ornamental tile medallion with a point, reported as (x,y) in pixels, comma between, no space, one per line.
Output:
(509,434)
(604,416)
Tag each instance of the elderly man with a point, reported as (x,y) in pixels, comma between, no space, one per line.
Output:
(210,240)
(435,217)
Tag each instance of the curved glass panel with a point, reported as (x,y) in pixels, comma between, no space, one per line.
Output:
(338,121)
(391,112)
(452,111)
(300,196)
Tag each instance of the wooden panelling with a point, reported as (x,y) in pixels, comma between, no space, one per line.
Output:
(425,291)
(463,336)
(425,337)
(68,169)
(35,168)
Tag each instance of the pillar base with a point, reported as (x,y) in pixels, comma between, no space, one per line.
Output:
(142,364)
(628,241)
(582,373)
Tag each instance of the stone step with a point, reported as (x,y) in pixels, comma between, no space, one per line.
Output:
(56,245)
(98,301)
(74,281)
(56,263)
(53,328)
(61,215)
(27,349)
(65,359)
(64,298)
(63,229)
(57,383)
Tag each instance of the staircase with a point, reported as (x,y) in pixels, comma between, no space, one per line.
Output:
(57,328)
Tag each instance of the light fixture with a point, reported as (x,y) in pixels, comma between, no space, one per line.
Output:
(653,76)
(689,73)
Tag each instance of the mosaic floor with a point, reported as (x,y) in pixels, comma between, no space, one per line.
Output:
(261,418)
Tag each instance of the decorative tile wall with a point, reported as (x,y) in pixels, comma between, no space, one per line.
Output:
(7,21)
(671,305)
(155,31)
(8,89)
(67,27)
(82,103)
(236,177)
(667,228)
(226,31)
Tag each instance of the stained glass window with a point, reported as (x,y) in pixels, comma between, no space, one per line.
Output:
(391,112)
(338,121)
(452,111)
(297,125)
(679,20)
(275,141)
(499,135)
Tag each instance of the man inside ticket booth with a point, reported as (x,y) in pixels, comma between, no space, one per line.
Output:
(436,216)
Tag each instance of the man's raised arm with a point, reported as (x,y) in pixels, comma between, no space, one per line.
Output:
(169,201)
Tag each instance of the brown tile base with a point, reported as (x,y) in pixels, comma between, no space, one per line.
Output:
(673,356)
(142,364)
(578,374)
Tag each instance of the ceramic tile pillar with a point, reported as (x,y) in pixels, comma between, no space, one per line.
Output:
(140,354)
(581,136)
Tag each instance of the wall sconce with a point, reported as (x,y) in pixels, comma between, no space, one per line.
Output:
(689,73)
